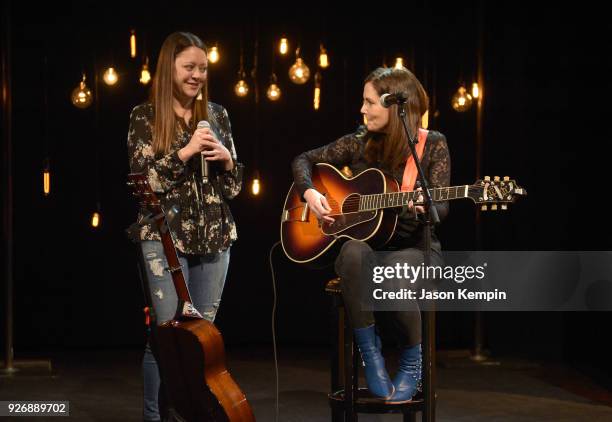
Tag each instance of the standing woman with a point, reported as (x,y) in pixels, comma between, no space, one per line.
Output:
(165,143)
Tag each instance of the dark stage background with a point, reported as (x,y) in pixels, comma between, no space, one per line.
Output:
(547,78)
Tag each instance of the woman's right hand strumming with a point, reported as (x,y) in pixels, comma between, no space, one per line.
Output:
(318,204)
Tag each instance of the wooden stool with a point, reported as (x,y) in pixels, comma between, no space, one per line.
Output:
(347,402)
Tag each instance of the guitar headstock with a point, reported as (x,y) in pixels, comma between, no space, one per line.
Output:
(495,194)
(142,190)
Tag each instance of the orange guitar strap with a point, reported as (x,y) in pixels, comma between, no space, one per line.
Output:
(410,172)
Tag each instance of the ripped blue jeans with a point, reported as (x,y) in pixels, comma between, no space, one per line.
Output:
(205,278)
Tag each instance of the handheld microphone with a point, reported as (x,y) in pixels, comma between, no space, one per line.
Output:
(203,163)
(387,100)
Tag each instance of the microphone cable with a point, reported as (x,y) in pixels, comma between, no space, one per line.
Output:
(274,300)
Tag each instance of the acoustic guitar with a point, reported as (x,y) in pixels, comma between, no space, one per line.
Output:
(365,208)
(191,349)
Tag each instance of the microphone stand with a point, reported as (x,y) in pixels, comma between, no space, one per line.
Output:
(430,217)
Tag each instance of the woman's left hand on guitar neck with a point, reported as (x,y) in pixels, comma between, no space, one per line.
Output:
(419,208)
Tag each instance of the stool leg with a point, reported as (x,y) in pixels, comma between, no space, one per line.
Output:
(349,373)
(337,327)
(429,366)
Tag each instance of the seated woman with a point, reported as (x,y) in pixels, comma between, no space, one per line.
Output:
(382,144)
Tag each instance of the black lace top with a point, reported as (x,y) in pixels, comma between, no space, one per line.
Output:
(204,223)
(349,151)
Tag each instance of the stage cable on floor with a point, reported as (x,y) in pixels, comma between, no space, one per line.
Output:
(276,395)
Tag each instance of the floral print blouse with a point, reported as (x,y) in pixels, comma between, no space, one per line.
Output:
(203,223)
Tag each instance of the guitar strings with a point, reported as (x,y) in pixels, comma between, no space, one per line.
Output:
(356,201)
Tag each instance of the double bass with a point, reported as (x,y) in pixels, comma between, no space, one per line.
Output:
(190,349)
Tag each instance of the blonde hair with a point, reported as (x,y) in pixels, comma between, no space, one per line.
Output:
(162,92)
(391,148)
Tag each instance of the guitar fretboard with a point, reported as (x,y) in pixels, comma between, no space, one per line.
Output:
(399,199)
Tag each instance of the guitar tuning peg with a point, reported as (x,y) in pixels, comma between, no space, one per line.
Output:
(506,179)
(496,178)
(483,208)
(504,207)
(487,178)
(494,207)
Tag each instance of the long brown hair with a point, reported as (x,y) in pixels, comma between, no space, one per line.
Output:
(162,92)
(390,149)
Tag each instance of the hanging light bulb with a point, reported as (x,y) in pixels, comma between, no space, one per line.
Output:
(81,95)
(475,90)
(399,63)
(283,47)
(462,100)
(255,185)
(145,75)
(323,59)
(241,88)
(96,217)
(110,76)
(299,72)
(317,97)
(132,43)
(46,177)
(213,55)
(273,93)
(317,91)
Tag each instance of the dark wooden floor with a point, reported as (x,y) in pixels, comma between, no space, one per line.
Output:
(106,386)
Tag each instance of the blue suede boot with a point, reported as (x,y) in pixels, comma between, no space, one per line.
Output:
(407,381)
(378,343)
(376,374)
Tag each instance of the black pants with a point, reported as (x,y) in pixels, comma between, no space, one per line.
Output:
(350,265)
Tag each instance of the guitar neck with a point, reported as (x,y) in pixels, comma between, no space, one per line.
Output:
(400,199)
(174,265)
(156,215)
